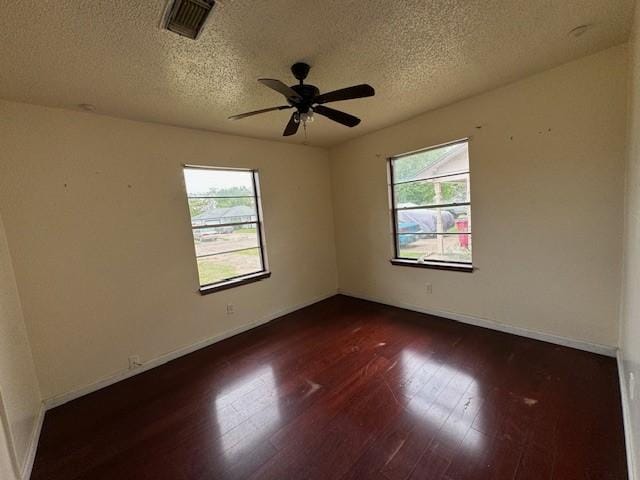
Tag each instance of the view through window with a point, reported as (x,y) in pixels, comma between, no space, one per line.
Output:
(431,205)
(225,220)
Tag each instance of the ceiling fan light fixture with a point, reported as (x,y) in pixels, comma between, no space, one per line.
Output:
(303,117)
(307,117)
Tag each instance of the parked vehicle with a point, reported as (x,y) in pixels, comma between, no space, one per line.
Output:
(423,221)
(406,228)
(210,234)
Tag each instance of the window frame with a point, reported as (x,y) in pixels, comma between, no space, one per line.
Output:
(451,265)
(246,278)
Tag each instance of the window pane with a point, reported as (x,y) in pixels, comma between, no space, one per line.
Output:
(224,239)
(214,211)
(432,163)
(454,189)
(442,247)
(219,183)
(434,220)
(226,265)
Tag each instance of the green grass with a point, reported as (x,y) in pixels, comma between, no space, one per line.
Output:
(248,253)
(410,254)
(211,272)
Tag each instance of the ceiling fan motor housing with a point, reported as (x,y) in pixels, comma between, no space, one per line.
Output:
(308,93)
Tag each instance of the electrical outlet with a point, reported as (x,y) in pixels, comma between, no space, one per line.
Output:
(229,308)
(134,362)
(429,288)
(632,385)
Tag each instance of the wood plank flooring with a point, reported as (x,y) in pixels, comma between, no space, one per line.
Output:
(349,389)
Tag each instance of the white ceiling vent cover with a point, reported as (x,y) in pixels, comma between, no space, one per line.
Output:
(187,17)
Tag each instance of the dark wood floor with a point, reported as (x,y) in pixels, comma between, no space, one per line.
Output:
(348,389)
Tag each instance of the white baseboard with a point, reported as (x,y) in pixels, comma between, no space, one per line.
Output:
(167,357)
(33,444)
(501,327)
(626,417)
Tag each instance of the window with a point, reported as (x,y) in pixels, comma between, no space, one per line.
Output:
(431,207)
(227,227)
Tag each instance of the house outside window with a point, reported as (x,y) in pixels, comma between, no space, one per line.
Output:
(431,207)
(226,222)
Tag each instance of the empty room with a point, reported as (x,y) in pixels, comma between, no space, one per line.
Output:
(328,240)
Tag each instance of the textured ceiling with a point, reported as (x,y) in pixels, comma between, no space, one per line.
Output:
(418,54)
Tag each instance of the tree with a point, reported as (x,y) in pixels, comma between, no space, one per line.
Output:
(407,168)
(226,198)
(246,197)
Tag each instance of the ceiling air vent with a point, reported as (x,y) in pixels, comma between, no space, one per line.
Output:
(187,17)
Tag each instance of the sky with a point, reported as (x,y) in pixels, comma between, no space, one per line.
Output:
(200,181)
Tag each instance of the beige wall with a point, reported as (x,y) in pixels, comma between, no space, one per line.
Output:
(98,226)
(630,312)
(19,394)
(547,200)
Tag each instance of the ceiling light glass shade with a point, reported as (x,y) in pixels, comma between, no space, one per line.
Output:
(306,117)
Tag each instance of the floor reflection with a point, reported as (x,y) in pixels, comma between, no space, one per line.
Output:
(448,401)
(247,412)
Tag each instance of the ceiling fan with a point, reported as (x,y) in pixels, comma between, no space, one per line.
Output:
(307,100)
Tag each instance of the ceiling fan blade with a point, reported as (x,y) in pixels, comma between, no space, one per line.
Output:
(256,112)
(280,87)
(337,116)
(292,126)
(349,93)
